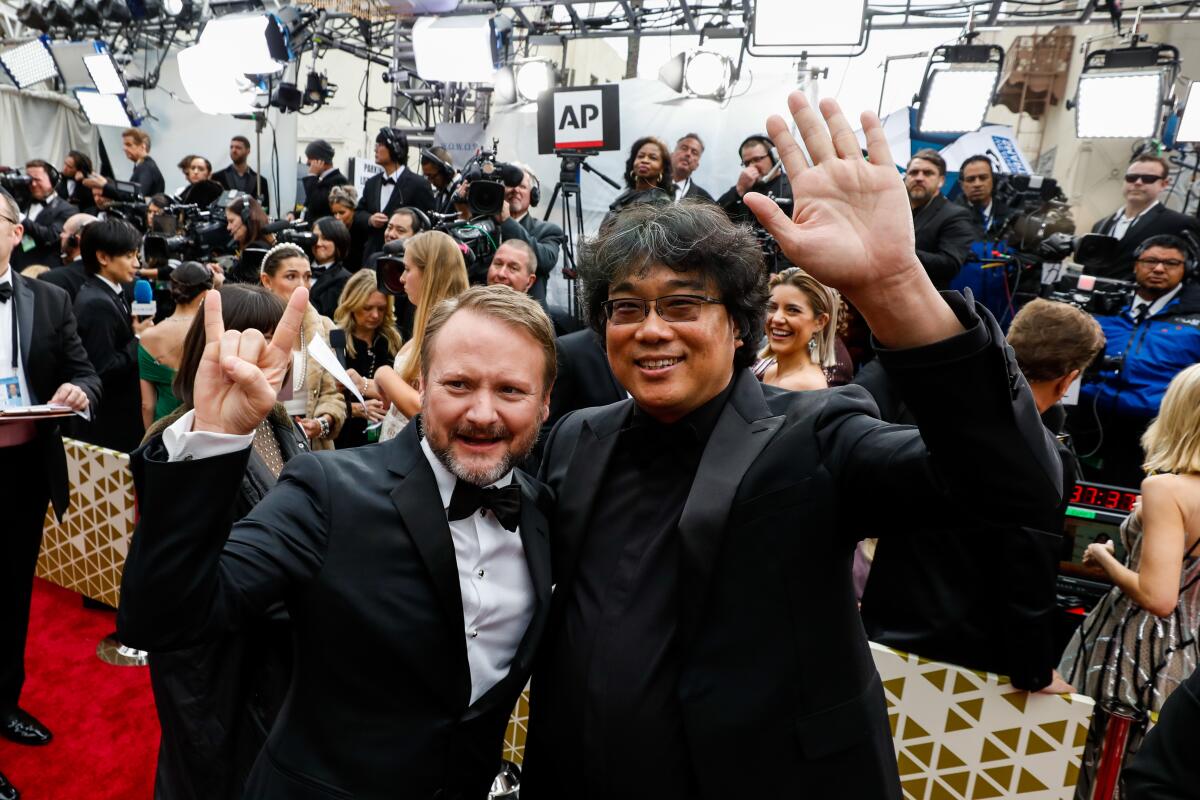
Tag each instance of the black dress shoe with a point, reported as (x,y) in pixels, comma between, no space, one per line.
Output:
(21,727)
(7,790)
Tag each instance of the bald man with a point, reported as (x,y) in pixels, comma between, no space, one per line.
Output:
(70,275)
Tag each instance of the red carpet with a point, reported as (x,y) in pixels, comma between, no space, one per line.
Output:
(105,729)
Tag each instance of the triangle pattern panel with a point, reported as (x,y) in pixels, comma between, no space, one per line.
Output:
(86,551)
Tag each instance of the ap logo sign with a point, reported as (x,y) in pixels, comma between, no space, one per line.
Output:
(583,118)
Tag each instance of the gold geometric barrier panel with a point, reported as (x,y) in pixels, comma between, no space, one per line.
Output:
(962,735)
(86,552)
(518,726)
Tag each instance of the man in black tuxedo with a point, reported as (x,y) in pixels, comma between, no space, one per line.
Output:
(685,159)
(1141,217)
(761,173)
(416,572)
(704,640)
(518,222)
(135,142)
(514,265)
(239,177)
(944,231)
(977,177)
(110,333)
(322,176)
(43,220)
(70,186)
(395,187)
(46,364)
(71,275)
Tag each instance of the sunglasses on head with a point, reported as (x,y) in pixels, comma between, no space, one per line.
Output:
(1143,178)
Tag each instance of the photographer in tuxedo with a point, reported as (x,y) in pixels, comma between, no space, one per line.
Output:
(704,640)
(416,572)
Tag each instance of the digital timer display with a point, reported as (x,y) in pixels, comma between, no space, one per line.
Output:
(1108,498)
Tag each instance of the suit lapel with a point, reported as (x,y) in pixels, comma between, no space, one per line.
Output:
(1142,222)
(25,301)
(744,428)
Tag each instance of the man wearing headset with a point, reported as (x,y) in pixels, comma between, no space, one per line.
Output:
(1149,341)
(438,169)
(43,220)
(395,187)
(516,222)
(761,172)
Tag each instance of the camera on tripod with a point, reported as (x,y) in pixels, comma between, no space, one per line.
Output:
(300,234)
(203,236)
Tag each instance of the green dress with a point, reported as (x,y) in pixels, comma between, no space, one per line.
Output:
(162,377)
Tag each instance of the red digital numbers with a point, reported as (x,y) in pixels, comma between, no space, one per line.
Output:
(1102,497)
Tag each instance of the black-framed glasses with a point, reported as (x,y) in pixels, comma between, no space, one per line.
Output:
(1169,263)
(670,308)
(1131,178)
(754,159)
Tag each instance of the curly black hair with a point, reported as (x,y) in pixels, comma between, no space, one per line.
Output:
(692,236)
(665,181)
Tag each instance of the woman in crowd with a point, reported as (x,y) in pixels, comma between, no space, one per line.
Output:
(433,271)
(368,316)
(329,264)
(216,701)
(647,175)
(1140,642)
(200,187)
(245,220)
(315,399)
(343,204)
(161,347)
(801,345)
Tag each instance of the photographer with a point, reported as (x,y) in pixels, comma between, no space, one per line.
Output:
(438,169)
(944,230)
(70,187)
(321,178)
(149,180)
(516,222)
(397,186)
(43,219)
(1149,341)
(239,177)
(762,172)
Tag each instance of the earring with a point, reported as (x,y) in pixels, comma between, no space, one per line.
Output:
(812,345)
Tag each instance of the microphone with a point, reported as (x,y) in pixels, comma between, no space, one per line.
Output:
(143,299)
(775,170)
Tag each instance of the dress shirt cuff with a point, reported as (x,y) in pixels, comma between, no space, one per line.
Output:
(977,335)
(183,443)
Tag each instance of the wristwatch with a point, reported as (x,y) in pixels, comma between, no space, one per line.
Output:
(324,423)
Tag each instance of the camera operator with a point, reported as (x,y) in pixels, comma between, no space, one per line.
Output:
(516,222)
(149,180)
(1140,218)
(1149,342)
(762,172)
(944,230)
(977,177)
(438,168)
(685,160)
(239,177)
(43,219)
(71,275)
(76,166)
(321,178)
(396,187)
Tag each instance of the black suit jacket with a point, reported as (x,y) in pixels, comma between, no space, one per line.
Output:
(51,355)
(230,179)
(106,330)
(697,192)
(44,232)
(328,290)
(1157,220)
(944,235)
(412,189)
(736,208)
(81,198)
(778,689)
(544,237)
(68,277)
(356,542)
(316,194)
(1166,767)
(992,227)
(148,177)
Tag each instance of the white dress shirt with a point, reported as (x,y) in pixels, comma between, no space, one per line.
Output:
(386,189)
(12,433)
(493,575)
(1122,223)
(681,189)
(1155,306)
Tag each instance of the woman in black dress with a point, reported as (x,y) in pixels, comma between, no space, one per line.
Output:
(368,316)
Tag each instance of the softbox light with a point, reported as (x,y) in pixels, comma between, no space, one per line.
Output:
(807,22)
(957,100)
(1189,125)
(459,49)
(213,84)
(1116,105)
(29,63)
(69,57)
(105,73)
(252,44)
(103,109)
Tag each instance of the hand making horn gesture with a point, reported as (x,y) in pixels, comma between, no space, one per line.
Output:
(240,372)
(851,225)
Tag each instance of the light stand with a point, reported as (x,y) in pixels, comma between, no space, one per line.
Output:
(571,163)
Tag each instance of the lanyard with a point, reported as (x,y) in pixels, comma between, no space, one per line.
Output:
(15,344)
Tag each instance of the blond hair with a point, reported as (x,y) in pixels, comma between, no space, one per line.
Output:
(443,275)
(1172,442)
(823,301)
(355,293)
(504,304)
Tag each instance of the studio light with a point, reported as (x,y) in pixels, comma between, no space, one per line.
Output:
(30,15)
(959,85)
(87,13)
(215,86)
(104,109)
(57,13)
(807,22)
(115,11)
(29,63)
(105,73)
(1189,125)
(533,77)
(1122,92)
(318,89)
(253,44)
(699,73)
(459,49)
(69,57)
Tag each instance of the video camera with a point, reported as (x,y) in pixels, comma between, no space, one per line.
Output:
(298,233)
(488,180)
(18,185)
(185,232)
(1102,296)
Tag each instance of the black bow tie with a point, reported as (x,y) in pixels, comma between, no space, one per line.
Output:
(389,181)
(6,291)
(504,502)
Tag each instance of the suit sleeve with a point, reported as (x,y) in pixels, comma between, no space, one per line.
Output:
(953,246)
(546,239)
(74,365)
(191,575)
(45,230)
(979,449)
(98,324)
(419,194)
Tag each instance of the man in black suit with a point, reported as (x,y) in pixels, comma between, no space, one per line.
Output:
(239,177)
(685,159)
(43,220)
(761,173)
(70,187)
(944,231)
(395,187)
(977,177)
(46,364)
(518,222)
(110,333)
(514,265)
(704,639)
(71,275)
(322,176)
(1141,217)
(416,573)
(135,142)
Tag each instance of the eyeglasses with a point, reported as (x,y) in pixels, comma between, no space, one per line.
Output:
(670,308)
(748,161)
(1169,263)
(1131,178)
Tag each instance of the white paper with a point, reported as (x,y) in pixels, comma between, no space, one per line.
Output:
(325,357)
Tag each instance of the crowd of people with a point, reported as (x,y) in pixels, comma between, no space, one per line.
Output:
(676,659)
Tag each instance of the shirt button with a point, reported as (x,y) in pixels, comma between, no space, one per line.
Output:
(482,573)
(474,634)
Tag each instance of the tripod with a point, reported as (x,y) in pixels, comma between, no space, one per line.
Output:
(571,162)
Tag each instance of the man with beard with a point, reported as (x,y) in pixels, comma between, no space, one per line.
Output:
(417,573)
(944,230)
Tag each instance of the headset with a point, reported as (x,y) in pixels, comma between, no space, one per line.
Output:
(447,170)
(75,238)
(535,189)
(1185,242)
(763,139)
(396,141)
(420,218)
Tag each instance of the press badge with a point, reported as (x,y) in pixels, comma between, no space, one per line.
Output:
(27,243)
(10,393)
